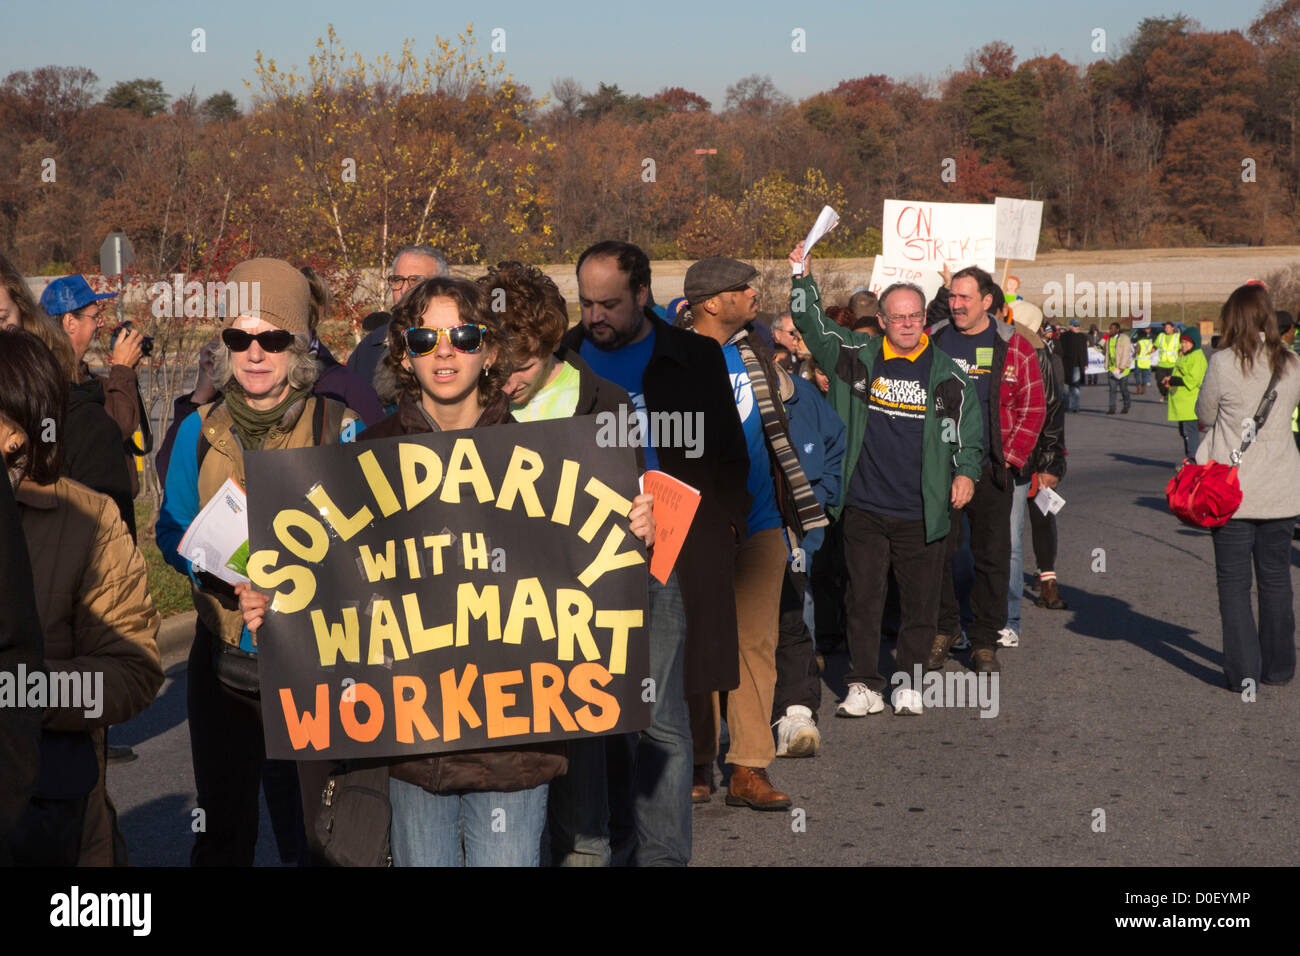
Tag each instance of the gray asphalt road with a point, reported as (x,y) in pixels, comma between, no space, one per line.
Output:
(1114,707)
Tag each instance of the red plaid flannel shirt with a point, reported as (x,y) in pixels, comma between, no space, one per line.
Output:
(1024,407)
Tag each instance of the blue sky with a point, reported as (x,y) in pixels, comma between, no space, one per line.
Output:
(642,46)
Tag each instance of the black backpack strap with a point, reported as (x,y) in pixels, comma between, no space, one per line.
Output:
(204,446)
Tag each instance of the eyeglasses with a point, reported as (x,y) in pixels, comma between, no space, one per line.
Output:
(275,340)
(396,282)
(463,338)
(911,318)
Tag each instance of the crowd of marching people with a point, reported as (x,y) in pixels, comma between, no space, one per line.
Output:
(871,468)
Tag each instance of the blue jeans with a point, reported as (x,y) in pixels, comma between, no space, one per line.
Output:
(1267,654)
(644,777)
(1016,588)
(498,829)
(1076,377)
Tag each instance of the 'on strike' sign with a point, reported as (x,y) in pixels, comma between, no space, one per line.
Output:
(447,592)
(930,235)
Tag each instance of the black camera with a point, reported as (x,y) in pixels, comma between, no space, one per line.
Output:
(146,346)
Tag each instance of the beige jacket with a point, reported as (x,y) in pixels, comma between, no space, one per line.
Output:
(92,595)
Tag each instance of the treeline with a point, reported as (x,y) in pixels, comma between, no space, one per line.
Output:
(1186,137)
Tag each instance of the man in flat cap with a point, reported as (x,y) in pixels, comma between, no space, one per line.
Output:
(722,305)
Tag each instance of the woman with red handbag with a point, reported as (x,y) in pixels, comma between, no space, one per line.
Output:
(1250,389)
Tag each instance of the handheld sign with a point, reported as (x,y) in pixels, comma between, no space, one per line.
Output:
(1019,222)
(827,220)
(930,235)
(448,591)
(883,276)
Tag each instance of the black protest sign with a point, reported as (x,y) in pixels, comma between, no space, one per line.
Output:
(447,592)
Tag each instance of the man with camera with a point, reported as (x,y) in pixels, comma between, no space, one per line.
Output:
(75,306)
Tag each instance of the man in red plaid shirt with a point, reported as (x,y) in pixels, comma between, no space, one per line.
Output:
(1007,378)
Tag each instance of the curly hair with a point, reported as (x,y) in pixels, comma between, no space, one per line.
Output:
(303,367)
(531,306)
(472,307)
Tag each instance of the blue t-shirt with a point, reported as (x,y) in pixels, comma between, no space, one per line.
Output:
(626,367)
(887,477)
(764,514)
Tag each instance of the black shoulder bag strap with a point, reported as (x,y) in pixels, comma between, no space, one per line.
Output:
(1261,415)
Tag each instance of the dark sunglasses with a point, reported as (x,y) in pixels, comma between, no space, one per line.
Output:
(463,338)
(276,340)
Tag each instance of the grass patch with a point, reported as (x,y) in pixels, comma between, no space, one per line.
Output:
(169,589)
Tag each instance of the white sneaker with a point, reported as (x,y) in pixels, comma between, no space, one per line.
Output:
(1008,638)
(860,701)
(796,734)
(963,643)
(906,701)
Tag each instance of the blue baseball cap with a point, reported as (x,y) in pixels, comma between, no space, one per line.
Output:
(69,294)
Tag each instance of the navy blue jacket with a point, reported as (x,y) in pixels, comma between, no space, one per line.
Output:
(817,434)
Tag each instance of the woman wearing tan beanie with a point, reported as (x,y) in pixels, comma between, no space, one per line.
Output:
(265,373)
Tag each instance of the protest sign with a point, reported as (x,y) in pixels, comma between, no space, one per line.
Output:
(445,592)
(1019,222)
(929,235)
(1096,361)
(883,276)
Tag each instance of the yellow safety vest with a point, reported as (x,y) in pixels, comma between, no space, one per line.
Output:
(1145,348)
(1111,365)
(1167,346)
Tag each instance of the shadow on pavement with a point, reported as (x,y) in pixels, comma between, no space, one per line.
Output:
(1110,619)
(168,710)
(1149,462)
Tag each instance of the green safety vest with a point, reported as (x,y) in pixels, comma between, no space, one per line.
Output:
(1167,346)
(1110,356)
(1145,348)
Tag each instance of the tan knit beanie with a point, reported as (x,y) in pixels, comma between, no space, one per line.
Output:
(279,294)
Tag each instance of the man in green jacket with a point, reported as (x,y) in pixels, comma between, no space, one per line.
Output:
(913,450)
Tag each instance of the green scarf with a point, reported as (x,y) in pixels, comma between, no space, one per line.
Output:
(252,425)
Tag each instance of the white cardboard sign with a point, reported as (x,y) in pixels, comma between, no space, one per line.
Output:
(1018,223)
(929,235)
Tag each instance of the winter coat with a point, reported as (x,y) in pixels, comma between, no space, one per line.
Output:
(92,594)
(500,768)
(119,393)
(339,383)
(817,436)
(21,645)
(1270,467)
(92,452)
(1185,382)
(687,374)
(849,358)
(1049,451)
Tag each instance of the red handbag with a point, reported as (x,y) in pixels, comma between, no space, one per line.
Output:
(1206,496)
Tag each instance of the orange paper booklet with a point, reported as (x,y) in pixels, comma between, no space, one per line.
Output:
(674,508)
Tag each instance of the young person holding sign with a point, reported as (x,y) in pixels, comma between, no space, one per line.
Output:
(452,357)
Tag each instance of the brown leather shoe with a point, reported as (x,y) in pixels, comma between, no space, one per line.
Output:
(1050,597)
(940,649)
(751,788)
(702,784)
(984,660)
